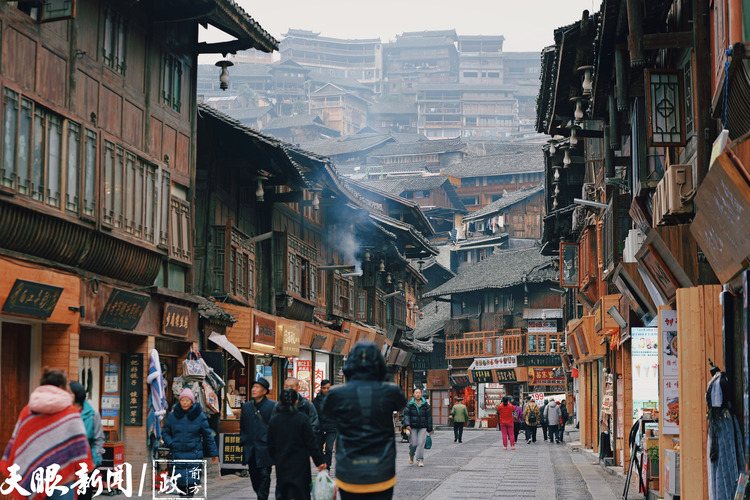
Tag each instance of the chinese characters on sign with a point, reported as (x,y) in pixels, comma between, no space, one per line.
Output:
(133,392)
(289,334)
(264,332)
(123,309)
(304,369)
(173,479)
(645,364)
(544,376)
(176,320)
(482,376)
(32,299)
(542,326)
(506,375)
(497,362)
(231,452)
(670,375)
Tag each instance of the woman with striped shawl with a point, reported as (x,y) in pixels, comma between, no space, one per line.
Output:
(49,432)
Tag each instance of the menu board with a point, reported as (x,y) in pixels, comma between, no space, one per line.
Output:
(670,375)
(133,391)
(645,365)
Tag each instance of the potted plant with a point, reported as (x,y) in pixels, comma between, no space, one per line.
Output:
(653,467)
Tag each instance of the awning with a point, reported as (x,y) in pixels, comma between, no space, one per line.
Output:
(460,380)
(223,341)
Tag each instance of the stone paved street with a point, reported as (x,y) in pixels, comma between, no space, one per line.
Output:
(479,468)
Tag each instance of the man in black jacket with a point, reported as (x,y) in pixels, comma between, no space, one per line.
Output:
(256,414)
(304,406)
(327,435)
(362,410)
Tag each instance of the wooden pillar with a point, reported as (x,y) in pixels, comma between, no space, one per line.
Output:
(702,89)
(594,413)
(583,384)
(635,37)
(700,337)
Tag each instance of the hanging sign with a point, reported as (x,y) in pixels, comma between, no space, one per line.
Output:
(264,332)
(506,375)
(496,362)
(481,376)
(230,452)
(32,299)
(544,376)
(123,309)
(541,326)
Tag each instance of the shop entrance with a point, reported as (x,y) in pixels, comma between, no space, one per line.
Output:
(16,374)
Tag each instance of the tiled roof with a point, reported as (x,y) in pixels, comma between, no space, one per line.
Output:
(236,21)
(398,185)
(393,108)
(502,269)
(467,88)
(248,113)
(343,83)
(527,158)
(349,144)
(433,321)
(415,42)
(505,201)
(420,147)
(283,122)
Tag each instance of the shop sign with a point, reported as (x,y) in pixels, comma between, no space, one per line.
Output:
(264,331)
(338,346)
(482,376)
(506,375)
(32,299)
(542,360)
(289,335)
(597,313)
(231,452)
(437,379)
(318,341)
(544,376)
(133,388)
(496,362)
(460,380)
(123,309)
(176,320)
(541,326)
(670,374)
(538,398)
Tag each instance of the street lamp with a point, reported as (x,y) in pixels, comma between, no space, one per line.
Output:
(224,75)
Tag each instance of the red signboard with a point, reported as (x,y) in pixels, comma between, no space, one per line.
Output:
(544,376)
(264,332)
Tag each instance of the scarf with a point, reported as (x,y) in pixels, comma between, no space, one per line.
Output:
(49,431)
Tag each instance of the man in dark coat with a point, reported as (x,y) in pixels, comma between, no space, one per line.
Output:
(327,435)
(544,419)
(564,416)
(304,406)
(256,414)
(363,412)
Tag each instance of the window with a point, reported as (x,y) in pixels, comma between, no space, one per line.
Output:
(45,12)
(362,305)
(493,74)
(164,210)
(115,40)
(234,264)
(171,82)
(532,343)
(426,194)
(74,156)
(180,229)
(409,195)
(470,74)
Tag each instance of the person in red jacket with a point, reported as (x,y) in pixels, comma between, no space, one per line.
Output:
(505,412)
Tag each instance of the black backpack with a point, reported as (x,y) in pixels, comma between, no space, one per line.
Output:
(532,417)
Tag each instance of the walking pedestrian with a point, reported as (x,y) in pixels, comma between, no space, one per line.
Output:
(291,443)
(531,419)
(418,419)
(327,435)
(552,413)
(460,416)
(517,418)
(544,419)
(49,432)
(92,422)
(564,420)
(363,412)
(505,415)
(186,433)
(254,419)
(304,406)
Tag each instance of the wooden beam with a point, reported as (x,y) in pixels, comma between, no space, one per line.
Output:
(673,40)
(635,38)
(256,239)
(224,48)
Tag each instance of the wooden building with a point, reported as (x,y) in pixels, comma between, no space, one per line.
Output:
(339,109)
(518,213)
(98,176)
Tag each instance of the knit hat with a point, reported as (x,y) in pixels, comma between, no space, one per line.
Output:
(187,393)
(79,393)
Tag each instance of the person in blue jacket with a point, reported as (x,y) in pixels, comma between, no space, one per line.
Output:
(256,414)
(185,433)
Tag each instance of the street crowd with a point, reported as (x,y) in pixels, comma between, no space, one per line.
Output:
(59,429)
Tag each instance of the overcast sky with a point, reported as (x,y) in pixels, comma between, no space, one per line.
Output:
(527,25)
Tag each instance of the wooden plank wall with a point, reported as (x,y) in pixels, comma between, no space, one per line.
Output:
(700,338)
(627,385)
(583,405)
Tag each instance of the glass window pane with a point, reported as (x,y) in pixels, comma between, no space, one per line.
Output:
(10,125)
(89,187)
(37,160)
(129,192)
(109,182)
(118,186)
(138,201)
(24,146)
(164,215)
(54,151)
(121,46)
(74,155)
(150,198)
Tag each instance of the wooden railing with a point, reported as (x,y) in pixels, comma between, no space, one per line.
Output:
(479,344)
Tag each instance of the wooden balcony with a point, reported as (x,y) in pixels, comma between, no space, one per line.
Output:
(482,344)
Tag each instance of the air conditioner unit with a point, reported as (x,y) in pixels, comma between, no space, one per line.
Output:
(668,199)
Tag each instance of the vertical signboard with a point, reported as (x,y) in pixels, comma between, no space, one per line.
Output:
(645,364)
(670,375)
(133,389)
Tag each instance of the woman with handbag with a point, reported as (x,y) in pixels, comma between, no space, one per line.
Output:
(418,420)
(185,433)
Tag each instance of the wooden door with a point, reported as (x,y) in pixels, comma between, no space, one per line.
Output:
(15,349)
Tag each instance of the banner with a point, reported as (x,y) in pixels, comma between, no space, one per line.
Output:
(670,375)
(645,364)
(544,376)
(493,363)
(541,326)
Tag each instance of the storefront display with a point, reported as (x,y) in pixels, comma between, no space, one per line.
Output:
(493,395)
(645,362)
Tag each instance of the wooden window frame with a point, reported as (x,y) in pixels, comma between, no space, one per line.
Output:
(234,264)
